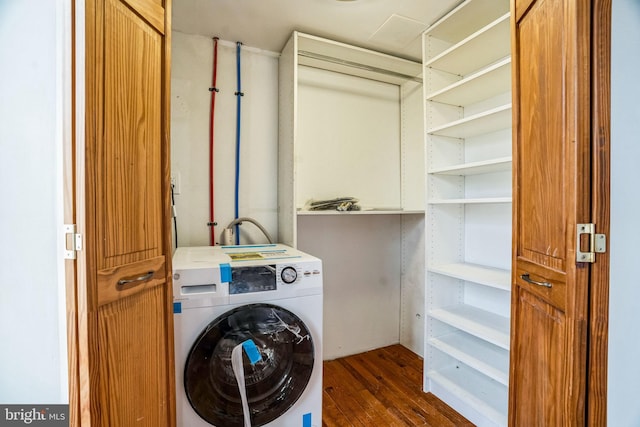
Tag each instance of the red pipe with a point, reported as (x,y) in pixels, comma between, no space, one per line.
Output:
(213,90)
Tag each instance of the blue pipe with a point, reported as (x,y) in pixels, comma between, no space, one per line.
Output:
(239,94)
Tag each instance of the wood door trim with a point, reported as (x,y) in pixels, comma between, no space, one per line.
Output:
(167,242)
(601,149)
(69,199)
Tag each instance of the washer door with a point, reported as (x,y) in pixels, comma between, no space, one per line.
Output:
(273,384)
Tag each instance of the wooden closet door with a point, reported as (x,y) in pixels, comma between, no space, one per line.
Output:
(552,194)
(126,346)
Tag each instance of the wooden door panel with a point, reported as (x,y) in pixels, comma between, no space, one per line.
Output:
(133,358)
(129,169)
(127,334)
(542,399)
(542,235)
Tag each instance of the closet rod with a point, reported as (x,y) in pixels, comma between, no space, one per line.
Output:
(333,60)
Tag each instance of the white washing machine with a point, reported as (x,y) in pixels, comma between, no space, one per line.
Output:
(267,301)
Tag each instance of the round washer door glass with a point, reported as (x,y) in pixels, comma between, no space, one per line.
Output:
(273,383)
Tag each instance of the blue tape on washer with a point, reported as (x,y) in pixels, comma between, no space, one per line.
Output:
(306,420)
(252,351)
(177,307)
(225,272)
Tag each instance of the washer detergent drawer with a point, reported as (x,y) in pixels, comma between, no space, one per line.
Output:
(201,287)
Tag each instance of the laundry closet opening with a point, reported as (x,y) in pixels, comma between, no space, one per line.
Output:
(419,153)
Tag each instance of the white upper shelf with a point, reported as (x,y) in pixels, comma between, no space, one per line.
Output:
(488,359)
(478,124)
(471,201)
(486,397)
(463,20)
(487,276)
(485,46)
(356,61)
(483,324)
(365,211)
(484,84)
(500,164)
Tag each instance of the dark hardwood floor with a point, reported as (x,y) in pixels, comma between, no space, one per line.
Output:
(382,388)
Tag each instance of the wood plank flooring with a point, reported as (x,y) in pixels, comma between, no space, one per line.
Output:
(382,388)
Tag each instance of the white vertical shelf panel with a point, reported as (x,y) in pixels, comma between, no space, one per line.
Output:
(287,105)
(467,72)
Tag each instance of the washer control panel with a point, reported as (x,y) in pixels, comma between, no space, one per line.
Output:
(264,278)
(289,274)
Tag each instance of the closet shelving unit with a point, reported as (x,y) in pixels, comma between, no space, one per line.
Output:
(351,124)
(393,166)
(467,84)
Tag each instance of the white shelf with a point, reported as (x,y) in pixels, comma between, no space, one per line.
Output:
(352,60)
(361,212)
(483,47)
(487,276)
(463,20)
(488,359)
(484,84)
(483,324)
(478,124)
(475,201)
(485,396)
(476,168)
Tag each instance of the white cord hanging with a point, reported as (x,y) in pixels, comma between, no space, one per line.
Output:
(238,370)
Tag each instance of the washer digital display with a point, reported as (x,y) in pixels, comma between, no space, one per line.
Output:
(246,280)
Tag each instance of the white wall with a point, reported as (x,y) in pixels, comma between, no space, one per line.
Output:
(624,316)
(192,59)
(32,328)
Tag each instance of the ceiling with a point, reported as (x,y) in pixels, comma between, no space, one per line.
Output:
(390,26)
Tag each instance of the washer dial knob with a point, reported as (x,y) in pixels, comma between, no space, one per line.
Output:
(288,275)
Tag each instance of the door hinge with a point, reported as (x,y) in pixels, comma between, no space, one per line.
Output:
(597,243)
(72,241)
